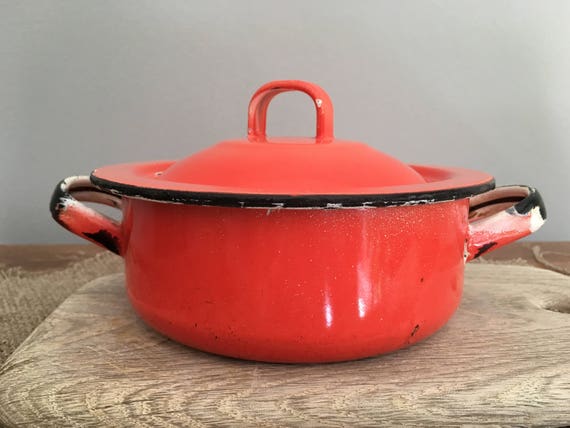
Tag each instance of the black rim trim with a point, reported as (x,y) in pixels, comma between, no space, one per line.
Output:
(238,200)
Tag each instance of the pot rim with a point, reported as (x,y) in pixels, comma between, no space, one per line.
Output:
(432,192)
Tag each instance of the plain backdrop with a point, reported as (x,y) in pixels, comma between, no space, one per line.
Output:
(477,84)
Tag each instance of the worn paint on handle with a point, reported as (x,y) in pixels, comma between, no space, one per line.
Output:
(501,216)
(68,210)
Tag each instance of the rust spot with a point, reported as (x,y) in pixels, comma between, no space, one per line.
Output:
(415,330)
(485,248)
(106,239)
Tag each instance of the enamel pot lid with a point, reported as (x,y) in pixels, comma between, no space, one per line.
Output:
(290,172)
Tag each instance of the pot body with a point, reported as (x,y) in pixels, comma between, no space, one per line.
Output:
(313,280)
(295,285)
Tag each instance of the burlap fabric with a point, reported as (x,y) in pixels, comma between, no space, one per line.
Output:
(27,298)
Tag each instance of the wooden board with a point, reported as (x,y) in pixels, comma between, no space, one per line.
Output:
(503,360)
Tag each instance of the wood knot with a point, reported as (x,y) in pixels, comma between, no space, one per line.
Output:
(562,306)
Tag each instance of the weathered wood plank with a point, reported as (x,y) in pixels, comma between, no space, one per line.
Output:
(502,360)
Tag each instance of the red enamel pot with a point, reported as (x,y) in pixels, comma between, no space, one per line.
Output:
(295,250)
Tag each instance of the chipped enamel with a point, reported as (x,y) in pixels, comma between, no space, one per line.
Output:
(536,220)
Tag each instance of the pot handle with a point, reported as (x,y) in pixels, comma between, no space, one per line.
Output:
(501,216)
(66,209)
(257,111)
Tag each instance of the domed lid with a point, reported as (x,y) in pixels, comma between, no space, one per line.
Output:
(293,172)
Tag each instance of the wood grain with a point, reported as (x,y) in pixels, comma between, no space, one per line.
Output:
(502,360)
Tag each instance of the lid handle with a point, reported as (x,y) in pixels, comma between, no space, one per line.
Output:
(257,113)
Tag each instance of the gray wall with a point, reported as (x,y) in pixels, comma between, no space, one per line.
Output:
(479,84)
